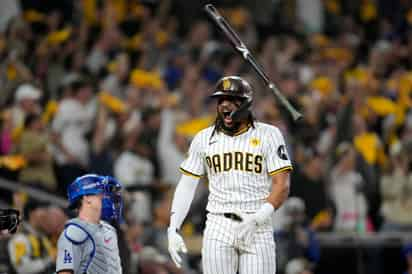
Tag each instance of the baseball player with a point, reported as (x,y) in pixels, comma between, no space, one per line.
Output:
(88,243)
(247,165)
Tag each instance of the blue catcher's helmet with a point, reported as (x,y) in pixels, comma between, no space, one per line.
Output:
(92,184)
(112,203)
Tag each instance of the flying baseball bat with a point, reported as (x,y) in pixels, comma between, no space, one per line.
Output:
(238,45)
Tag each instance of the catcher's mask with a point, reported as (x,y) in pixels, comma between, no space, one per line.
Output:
(235,86)
(92,184)
(9,219)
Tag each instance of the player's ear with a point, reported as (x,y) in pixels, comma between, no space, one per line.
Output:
(78,204)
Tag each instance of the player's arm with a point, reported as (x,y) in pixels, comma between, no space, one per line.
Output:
(192,170)
(279,167)
(68,260)
(279,194)
(280,189)
(182,199)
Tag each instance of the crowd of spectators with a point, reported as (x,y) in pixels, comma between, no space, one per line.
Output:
(120,87)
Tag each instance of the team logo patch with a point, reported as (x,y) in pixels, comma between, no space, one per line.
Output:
(282,152)
(254,142)
(226,84)
(67,257)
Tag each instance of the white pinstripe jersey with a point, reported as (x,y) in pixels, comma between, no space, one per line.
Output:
(238,167)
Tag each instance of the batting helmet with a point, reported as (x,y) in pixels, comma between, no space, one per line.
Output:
(233,86)
(237,87)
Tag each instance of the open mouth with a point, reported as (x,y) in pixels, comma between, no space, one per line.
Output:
(226,117)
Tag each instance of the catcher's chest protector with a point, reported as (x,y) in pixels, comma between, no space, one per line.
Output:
(100,252)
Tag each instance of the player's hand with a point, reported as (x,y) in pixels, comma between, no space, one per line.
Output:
(176,245)
(247,228)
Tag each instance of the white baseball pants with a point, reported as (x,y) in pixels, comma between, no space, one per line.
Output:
(224,253)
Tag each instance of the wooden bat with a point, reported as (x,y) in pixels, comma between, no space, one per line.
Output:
(240,47)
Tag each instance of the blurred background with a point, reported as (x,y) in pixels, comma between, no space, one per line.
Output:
(120,87)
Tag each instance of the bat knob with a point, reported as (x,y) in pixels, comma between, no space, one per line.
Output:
(209,8)
(296,116)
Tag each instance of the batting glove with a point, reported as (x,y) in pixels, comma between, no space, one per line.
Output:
(246,229)
(251,222)
(176,245)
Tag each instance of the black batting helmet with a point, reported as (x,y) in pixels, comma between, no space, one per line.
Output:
(233,86)
(236,87)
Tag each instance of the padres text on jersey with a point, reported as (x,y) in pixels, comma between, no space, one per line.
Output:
(239,168)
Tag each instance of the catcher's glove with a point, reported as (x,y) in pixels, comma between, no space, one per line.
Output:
(9,219)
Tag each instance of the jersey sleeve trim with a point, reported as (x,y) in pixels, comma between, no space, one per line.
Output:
(188,173)
(279,170)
